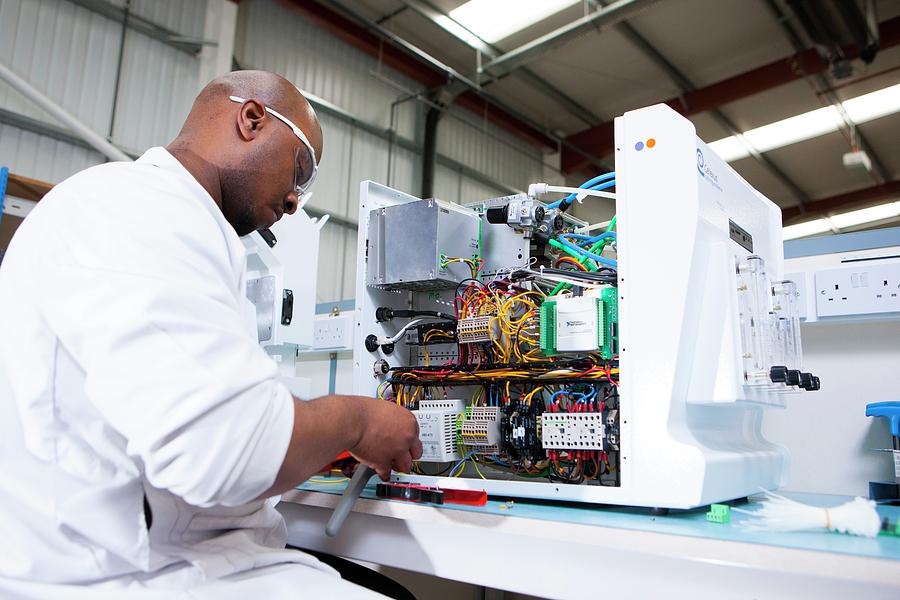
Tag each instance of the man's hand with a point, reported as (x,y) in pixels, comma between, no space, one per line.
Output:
(390,437)
(378,433)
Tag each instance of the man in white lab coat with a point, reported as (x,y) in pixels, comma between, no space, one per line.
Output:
(142,428)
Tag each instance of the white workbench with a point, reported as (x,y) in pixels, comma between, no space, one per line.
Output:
(579,551)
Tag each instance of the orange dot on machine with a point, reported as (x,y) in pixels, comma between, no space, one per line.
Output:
(651,142)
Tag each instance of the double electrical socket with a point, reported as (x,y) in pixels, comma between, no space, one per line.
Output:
(857,289)
(333,332)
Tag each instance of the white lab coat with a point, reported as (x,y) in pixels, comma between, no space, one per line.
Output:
(133,373)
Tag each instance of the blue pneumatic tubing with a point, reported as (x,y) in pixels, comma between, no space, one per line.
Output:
(600,259)
(591,239)
(587,185)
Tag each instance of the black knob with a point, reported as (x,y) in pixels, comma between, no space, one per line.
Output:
(778,374)
(793,377)
(806,381)
(371,342)
(497,215)
(539,214)
(387,348)
(383,313)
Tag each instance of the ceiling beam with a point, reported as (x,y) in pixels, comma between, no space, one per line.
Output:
(614,13)
(822,87)
(576,109)
(143,25)
(870,196)
(685,85)
(419,66)
(598,141)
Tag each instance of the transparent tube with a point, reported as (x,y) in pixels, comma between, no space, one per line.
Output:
(754,294)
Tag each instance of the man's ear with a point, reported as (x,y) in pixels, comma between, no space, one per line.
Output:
(251,119)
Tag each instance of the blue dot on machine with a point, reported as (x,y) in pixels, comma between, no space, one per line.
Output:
(639,146)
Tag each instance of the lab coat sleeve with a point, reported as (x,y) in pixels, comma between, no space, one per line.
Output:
(150,313)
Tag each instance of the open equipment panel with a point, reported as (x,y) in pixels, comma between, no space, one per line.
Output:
(622,364)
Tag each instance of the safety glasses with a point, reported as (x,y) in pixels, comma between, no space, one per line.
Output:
(305,167)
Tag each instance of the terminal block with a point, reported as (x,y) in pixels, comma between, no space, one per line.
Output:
(480,429)
(573,431)
(437,429)
(474,329)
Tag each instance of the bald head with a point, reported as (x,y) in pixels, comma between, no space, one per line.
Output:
(249,158)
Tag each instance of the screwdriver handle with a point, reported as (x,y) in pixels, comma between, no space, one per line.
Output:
(348,499)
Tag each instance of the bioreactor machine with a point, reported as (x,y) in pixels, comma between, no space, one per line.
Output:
(620,363)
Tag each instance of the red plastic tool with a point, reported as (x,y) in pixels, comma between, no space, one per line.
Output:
(412,492)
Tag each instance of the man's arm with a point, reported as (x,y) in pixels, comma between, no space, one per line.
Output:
(380,434)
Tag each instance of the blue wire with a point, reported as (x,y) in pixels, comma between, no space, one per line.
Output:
(497,460)
(592,239)
(571,197)
(600,259)
(462,462)
(590,184)
(555,394)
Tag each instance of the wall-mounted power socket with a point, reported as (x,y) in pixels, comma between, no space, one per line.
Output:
(333,332)
(863,288)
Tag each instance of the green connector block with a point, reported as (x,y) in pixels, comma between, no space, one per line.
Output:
(601,324)
(890,529)
(609,343)
(548,328)
(719,513)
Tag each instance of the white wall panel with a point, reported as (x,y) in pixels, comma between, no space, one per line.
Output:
(41,157)
(156,90)
(446,183)
(277,38)
(71,54)
(184,16)
(63,50)
(489,150)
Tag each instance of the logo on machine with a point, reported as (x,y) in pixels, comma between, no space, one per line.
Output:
(706,172)
(651,142)
(575,323)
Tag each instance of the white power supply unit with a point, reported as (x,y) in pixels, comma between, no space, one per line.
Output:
(437,429)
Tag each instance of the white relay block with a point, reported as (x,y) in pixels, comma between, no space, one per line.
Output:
(437,429)
(572,431)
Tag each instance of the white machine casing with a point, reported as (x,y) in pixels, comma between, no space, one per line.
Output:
(690,430)
(287,269)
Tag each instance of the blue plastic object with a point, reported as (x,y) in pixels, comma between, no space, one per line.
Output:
(889,410)
(4,176)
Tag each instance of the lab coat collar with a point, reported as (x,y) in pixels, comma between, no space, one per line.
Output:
(162,158)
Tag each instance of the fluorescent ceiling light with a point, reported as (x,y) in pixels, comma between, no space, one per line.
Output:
(458,31)
(493,20)
(804,229)
(811,124)
(866,215)
(889,210)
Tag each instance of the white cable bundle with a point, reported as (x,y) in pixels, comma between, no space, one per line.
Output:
(857,517)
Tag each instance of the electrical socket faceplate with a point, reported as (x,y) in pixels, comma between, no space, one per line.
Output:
(333,332)
(858,289)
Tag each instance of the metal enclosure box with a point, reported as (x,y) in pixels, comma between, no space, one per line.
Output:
(409,243)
